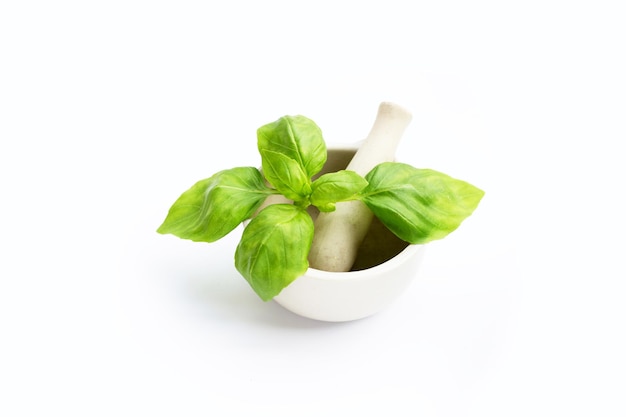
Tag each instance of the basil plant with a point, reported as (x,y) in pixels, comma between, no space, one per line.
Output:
(418,205)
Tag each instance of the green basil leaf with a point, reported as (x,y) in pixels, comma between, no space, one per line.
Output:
(274,248)
(296,137)
(335,187)
(286,175)
(213,207)
(418,205)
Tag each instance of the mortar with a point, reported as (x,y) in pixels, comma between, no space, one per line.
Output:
(384,267)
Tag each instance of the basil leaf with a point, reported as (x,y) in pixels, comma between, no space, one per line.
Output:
(213,207)
(274,248)
(418,205)
(335,187)
(286,175)
(296,137)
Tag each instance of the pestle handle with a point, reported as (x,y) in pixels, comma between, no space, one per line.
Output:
(383,139)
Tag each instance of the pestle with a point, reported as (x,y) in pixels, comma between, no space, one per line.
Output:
(339,234)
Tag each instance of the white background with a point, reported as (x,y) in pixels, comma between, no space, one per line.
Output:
(109,110)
